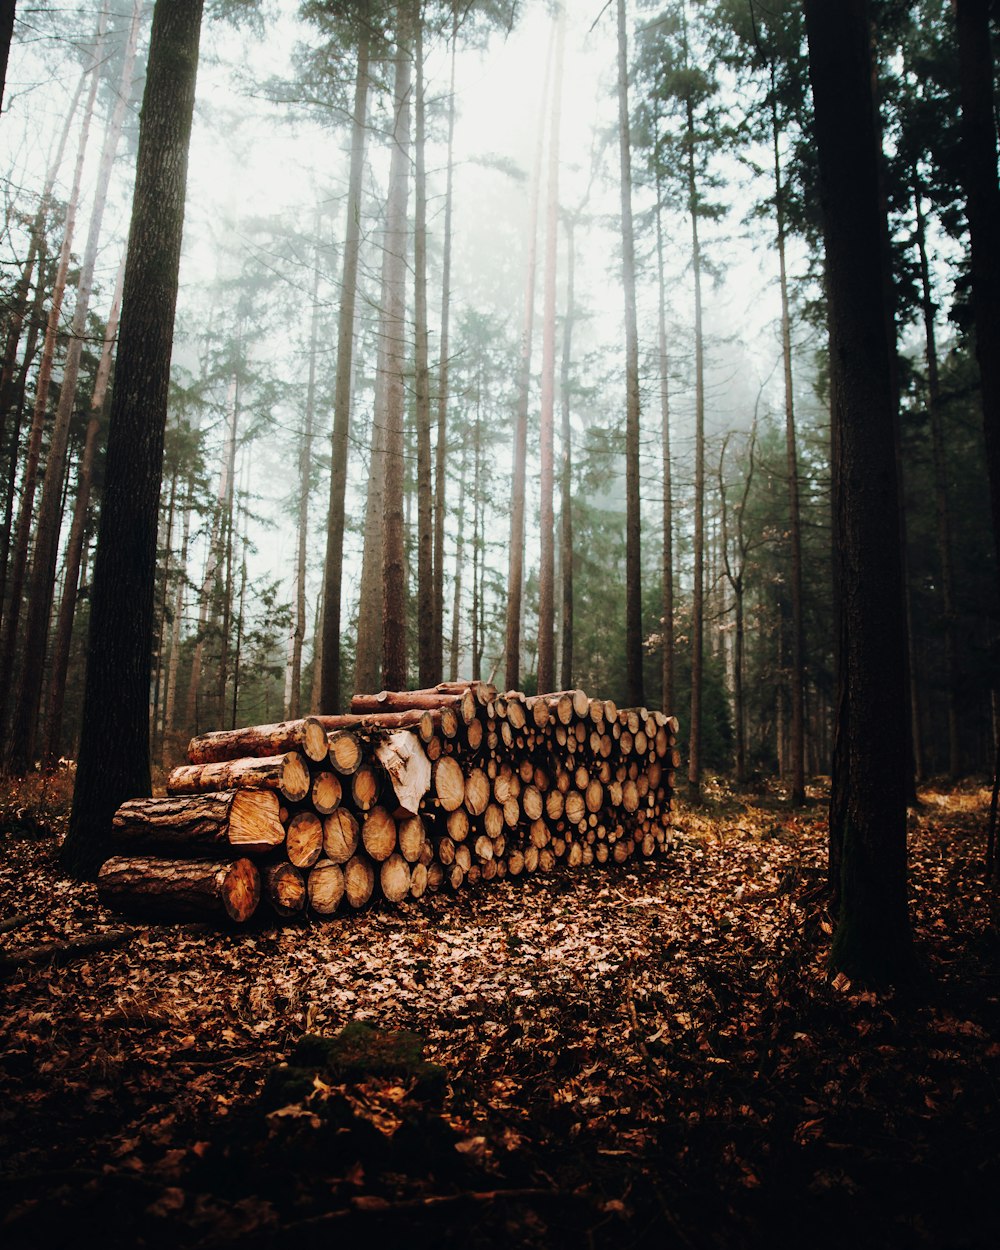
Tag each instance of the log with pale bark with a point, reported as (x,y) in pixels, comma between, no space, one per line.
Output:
(287,773)
(307,735)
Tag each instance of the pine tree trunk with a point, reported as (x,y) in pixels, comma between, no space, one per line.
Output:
(426,648)
(169,711)
(394,335)
(329,695)
(546,523)
(633,536)
(116,698)
(667,650)
(698,593)
(942,504)
(515,565)
(222,674)
(77,533)
(294,700)
(797,789)
(456,610)
(872,943)
(566,475)
(13,755)
(979,143)
(441,445)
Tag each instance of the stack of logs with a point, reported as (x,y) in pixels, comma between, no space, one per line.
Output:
(413,791)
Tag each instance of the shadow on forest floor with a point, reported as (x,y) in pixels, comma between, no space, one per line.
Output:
(643,1056)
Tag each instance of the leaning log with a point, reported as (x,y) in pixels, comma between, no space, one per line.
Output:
(172,889)
(245,821)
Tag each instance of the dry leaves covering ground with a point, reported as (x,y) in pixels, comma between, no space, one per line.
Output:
(644,1056)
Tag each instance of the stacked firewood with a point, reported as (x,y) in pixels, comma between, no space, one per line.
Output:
(411,792)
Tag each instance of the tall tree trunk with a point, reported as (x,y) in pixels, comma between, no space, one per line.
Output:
(441,445)
(29,480)
(228,515)
(156,741)
(477,539)
(979,143)
(667,650)
(6,34)
(566,475)
(116,697)
(241,610)
(797,788)
(698,593)
(394,335)
(941,501)
(515,565)
(330,698)
(426,645)
(77,533)
(546,525)
(633,535)
(293,700)
(456,610)
(24,729)
(169,753)
(872,943)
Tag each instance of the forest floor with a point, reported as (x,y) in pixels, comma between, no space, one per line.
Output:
(644,1056)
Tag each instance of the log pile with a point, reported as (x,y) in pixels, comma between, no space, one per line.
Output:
(411,792)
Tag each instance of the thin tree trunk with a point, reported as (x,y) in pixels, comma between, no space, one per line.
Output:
(156,742)
(441,446)
(515,566)
(169,754)
(667,650)
(241,612)
(75,544)
(222,677)
(293,700)
(394,334)
(546,525)
(24,732)
(330,697)
(797,789)
(116,697)
(633,535)
(426,647)
(566,483)
(29,481)
(456,610)
(698,594)
(941,500)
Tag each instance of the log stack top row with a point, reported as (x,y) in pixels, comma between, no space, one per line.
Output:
(410,792)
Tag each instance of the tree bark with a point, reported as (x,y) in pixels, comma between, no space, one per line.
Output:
(667,648)
(515,565)
(6,34)
(797,788)
(394,336)
(872,943)
(979,144)
(330,696)
(116,698)
(546,522)
(633,536)
(426,645)
(566,474)
(441,445)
